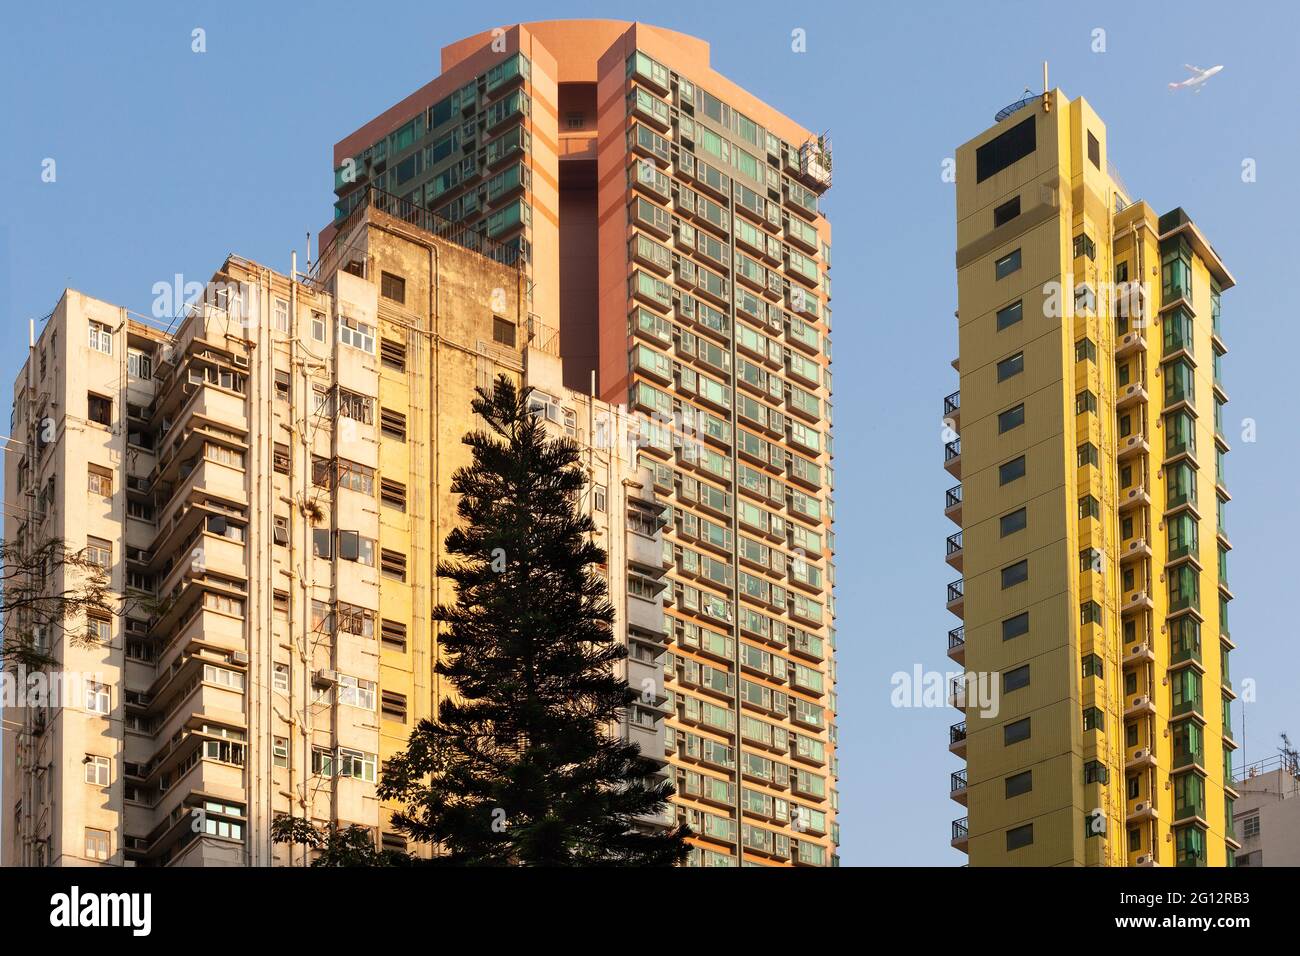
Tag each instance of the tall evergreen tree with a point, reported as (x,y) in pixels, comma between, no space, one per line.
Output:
(521,769)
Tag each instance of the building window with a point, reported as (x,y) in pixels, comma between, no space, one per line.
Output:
(1010,366)
(320,543)
(1019,783)
(282,385)
(281,458)
(1094,150)
(392,354)
(97,844)
(1010,315)
(96,769)
(1020,836)
(1013,522)
(393,634)
(1004,149)
(503,331)
(99,409)
(281,315)
(357,335)
(1011,470)
(101,338)
(356,692)
(394,706)
(392,287)
(1011,418)
(1014,574)
(99,552)
(139,365)
(97,698)
(1007,264)
(392,493)
(280,678)
(1085,350)
(1015,626)
(1004,213)
(1015,678)
(99,481)
(392,424)
(393,564)
(1089,507)
(318,326)
(1250,827)
(1016,731)
(280,751)
(1088,455)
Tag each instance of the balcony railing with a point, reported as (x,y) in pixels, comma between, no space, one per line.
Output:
(960,828)
(956,589)
(952,497)
(954,543)
(957,636)
(957,783)
(957,732)
(951,403)
(952,450)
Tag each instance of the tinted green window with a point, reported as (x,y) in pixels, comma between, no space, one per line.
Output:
(1011,418)
(1010,315)
(1011,470)
(1013,522)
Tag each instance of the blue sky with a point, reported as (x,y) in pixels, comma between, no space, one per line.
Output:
(168,160)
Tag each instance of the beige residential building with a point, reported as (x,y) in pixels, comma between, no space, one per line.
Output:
(1266,817)
(267,482)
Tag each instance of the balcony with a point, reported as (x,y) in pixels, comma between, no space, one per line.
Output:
(957,644)
(1142,811)
(957,786)
(957,738)
(953,551)
(952,410)
(1136,601)
(1134,498)
(1133,445)
(1139,654)
(1139,706)
(1137,548)
(957,597)
(1131,394)
(1139,759)
(1129,343)
(952,504)
(952,458)
(961,834)
(957,693)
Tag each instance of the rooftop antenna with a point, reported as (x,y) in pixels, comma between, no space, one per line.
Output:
(1047,100)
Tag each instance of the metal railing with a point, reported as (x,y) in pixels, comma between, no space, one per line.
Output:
(961,828)
(954,543)
(957,781)
(952,450)
(956,589)
(957,636)
(957,732)
(951,403)
(952,497)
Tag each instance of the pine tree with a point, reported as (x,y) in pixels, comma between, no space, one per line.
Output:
(521,768)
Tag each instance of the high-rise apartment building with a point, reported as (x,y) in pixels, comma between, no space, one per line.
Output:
(668,227)
(267,483)
(1094,589)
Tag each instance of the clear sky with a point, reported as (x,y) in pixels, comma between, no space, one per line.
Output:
(167,160)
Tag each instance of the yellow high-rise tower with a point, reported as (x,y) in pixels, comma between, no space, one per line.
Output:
(1094,594)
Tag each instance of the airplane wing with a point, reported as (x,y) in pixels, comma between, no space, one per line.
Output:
(1194,69)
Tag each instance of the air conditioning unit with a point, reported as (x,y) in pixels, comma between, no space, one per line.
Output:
(1144,860)
(1138,544)
(1141,701)
(239,657)
(1142,754)
(325,678)
(241,361)
(1142,807)
(1142,648)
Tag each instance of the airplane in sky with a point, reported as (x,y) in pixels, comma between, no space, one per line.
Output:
(1194,83)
